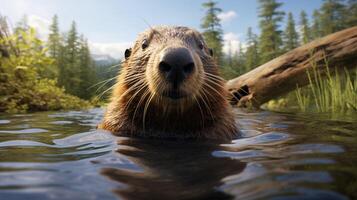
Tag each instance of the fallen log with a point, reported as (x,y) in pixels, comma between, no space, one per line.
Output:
(288,71)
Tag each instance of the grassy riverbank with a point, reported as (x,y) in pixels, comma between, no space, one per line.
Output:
(336,93)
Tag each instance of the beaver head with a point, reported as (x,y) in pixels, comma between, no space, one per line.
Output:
(169,86)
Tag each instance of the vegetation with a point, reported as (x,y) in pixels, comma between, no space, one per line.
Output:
(273,40)
(305,28)
(291,37)
(336,93)
(212,31)
(270,41)
(27,74)
(76,71)
(24,82)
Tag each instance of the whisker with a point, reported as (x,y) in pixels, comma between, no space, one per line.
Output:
(216,84)
(146,92)
(106,81)
(208,107)
(201,111)
(213,89)
(147,104)
(138,88)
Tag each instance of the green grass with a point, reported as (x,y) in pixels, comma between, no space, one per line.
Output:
(336,93)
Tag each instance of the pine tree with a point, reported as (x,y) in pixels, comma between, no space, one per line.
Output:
(252,56)
(270,40)
(69,72)
(54,40)
(332,16)
(87,73)
(316,25)
(305,28)
(291,37)
(54,44)
(61,61)
(212,31)
(72,44)
(241,59)
(351,18)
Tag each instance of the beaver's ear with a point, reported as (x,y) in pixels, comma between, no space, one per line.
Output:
(127,53)
(210,51)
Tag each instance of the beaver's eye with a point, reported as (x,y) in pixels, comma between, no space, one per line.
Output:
(144,44)
(200,45)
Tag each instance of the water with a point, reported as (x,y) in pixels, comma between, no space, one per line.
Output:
(60,155)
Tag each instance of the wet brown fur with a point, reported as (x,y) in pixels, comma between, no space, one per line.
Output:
(137,108)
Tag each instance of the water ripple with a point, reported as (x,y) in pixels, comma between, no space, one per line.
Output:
(314,148)
(5,121)
(25,131)
(266,138)
(240,154)
(61,122)
(23,143)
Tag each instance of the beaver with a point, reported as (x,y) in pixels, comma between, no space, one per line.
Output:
(169,87)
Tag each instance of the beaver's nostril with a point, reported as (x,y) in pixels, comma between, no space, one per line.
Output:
(188,68)
(164,67)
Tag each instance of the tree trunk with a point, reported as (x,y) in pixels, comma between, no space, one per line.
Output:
(285,73)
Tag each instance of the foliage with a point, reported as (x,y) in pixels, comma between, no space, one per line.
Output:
(332,17)
(76,71)
(252,54)
(212,31)
(351,18)
(270,41)
(305,28)
(24,85)
(291,37)
(316,25)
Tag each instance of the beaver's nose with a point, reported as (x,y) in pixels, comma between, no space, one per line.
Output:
(176,64)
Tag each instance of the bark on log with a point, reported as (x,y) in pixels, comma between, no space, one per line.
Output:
(288,71)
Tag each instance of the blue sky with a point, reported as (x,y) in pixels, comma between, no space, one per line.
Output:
(112,25)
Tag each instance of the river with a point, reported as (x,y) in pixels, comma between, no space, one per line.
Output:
(61,155)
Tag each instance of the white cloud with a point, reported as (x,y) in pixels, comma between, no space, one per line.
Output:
(227,16)
(40,24)
(115,50)
(231,43)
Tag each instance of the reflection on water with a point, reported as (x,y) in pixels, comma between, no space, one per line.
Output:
(172,170)
(279,156)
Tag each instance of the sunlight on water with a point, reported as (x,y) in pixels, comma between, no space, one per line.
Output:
(279,156)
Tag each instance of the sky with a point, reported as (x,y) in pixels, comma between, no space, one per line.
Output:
(111,26)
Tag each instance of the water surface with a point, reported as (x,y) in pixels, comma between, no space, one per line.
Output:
(60,155)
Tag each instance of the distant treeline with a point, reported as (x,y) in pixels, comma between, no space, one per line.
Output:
(275,38)
(73,62)
(37,75)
